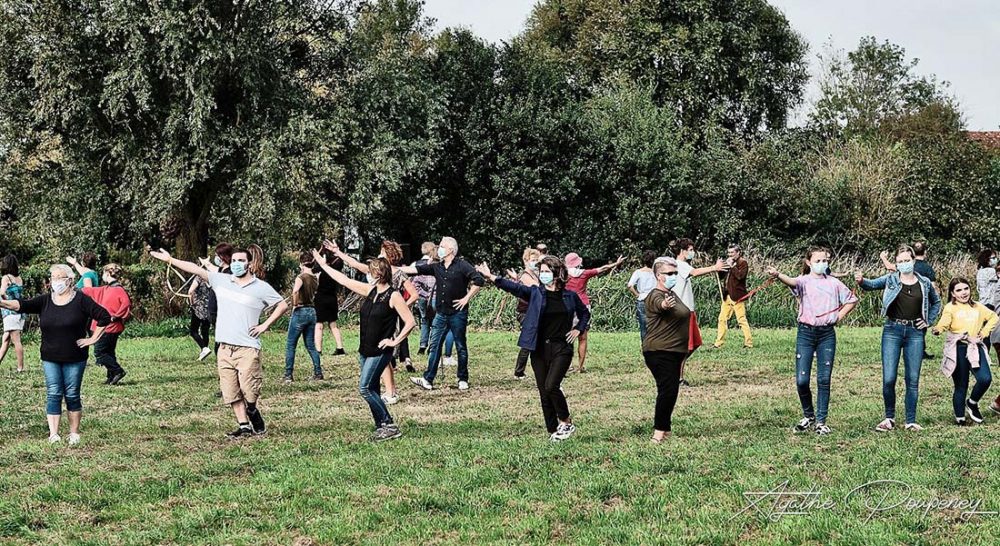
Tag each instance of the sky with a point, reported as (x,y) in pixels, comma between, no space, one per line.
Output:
(952,38)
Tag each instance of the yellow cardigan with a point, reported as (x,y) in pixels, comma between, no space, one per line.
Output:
(960,318)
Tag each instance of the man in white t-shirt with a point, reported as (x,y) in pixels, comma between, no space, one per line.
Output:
(640,284)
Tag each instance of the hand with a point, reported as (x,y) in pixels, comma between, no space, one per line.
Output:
(256,331)
(975,340)
(512,274)
(386,343)
(204,262)
(161,255)
(669,301)
(318,258)
(884,255)
(572,335)
(70,260)
(921,325)
(484,270)
(86,342)
(773,272)
(720,265)
(936,332)
(460,304)
(858,277)
(330,245)
(619,261)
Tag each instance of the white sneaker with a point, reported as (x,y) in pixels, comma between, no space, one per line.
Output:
(463,385)
(450,361)
(422,383)
(74,439)
(54,439)
(563,432)
(204,353)
(389,399)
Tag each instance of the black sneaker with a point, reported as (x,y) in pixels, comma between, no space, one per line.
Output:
(318,377)
(339,351)
(805,424)
(257,422)
(241,431)
(974,413)
(422,351)
(410,368)
(116,378)
(684,383)
(928,356)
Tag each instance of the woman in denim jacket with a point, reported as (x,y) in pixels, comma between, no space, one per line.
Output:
(909,305)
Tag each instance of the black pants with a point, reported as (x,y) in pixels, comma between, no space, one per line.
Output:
(522,355)
(666,369)
(104,353)
(550,362)
(199,330)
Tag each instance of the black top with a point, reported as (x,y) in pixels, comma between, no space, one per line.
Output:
(62,325)
(555,322)
(908,304)
(451,283)
(327,286)
(378,322)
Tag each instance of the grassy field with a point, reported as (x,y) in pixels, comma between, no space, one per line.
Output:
(477,467)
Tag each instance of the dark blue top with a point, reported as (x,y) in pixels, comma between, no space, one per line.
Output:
(535,295)
(921,267)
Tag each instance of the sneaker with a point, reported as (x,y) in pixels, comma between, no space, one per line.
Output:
(463,385)
(241,431)
(422,383)
(822,429)
(974,413)
(204,354)
(74,439)
(714,347)
(804,425)
(409,366)
(683,383)
(422,351)
(913,427)
(257,422)
(928,356)
(339,351)
(450,361)
(563,432)
(54,439)
(318,377)
(390,399)
(886,425)
(387,432)
(960,421)
(115,379)
(287,380)
(519,377)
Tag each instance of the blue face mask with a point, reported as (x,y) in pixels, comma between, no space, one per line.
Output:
(238,268)
(820,268)
(217,261)
(442,252)
(905,267)
(670,281)
(546,277)
(993,261)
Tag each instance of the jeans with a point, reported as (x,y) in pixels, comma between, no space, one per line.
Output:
(728,309)
(302,324)
(62,380)
(550,363)
(198,329)
(104,354)
(522,356)
(640,315)
(961,378)
(455,324)
(368,385)
(666,369)
(822,342)
(906,339)
(426,315)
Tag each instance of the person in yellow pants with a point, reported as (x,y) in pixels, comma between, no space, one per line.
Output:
(735,288)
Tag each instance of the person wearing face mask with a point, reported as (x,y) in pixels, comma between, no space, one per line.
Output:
(452,294)
(577,282)
(909,305)
(733,296)
(666,343)
(967,323)
(382,309)
(986,277)
(242,297)
(824,301)
(64,316)
(528,277)
(425,293)
(113,297)
(548,333)
(640,284)
(393,253)
(85,268)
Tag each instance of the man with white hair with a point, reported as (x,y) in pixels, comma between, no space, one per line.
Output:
(452,294)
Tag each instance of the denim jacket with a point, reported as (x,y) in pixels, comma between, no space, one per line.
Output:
(536,307)
(892,286)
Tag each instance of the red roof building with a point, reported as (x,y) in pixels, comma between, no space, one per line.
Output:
(989,139)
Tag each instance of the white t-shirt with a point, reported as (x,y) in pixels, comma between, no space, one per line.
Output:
(644,282)
(683,288)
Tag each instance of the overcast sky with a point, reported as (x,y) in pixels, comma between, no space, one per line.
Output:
(952,38)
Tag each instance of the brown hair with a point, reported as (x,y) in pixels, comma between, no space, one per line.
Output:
(256,265)
(9,266)
(907,249)
(393,252)
(984,257)
(114,270)
(951,289)
(529,254)
(681,245)
(381,270)
(88,260)
(306,258)
(920,248)
(225,252)
(806,268)
(558,269)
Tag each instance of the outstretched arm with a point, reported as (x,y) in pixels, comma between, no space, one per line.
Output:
(788,281)
(605,268)
(720,265)
(357,287)
(187,267)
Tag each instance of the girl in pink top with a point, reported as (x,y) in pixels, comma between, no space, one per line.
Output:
(577,282)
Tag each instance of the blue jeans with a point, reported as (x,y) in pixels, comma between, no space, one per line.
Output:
(302,324)
(449,344)
(901,338)
(371,370)
(62,380)
(455,324)
(640,315)
(961,378)
(822,342)
(425,323)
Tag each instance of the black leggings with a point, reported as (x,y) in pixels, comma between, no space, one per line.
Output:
(522,356)
(666,369)
(550,362)
(199,330)
(105,354)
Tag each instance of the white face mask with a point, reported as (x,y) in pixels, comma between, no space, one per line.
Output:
(60,287)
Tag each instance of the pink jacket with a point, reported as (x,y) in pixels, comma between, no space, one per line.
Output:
(950,357)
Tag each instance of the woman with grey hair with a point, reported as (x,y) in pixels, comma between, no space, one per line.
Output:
(64,317)
(666,343)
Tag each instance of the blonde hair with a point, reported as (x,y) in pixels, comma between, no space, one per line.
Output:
(114,270)
(531,254)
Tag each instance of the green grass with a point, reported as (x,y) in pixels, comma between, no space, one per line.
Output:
(477,467)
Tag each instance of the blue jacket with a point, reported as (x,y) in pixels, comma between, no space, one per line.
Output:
(931,307)
(535,295)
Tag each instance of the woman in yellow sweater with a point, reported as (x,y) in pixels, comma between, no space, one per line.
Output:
(968,323)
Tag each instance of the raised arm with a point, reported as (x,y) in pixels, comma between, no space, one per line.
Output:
(187,267)
(884,256)
(605,268)
(350,261)
(357,287)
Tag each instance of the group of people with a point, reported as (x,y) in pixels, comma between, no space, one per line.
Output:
(554,311)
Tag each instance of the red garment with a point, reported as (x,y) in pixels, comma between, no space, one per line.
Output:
(694,334)
(115,299)
(579,284)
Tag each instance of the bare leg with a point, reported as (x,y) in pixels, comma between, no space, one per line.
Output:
(15,337)
(389,379)
(240,409)
(336,335)
(4,345)
(319,336)
(53,424)
(74,421)
(582,350)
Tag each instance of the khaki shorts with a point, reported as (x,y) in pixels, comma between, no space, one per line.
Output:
(240,373)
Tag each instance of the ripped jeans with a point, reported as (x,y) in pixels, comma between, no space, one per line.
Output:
(822,342)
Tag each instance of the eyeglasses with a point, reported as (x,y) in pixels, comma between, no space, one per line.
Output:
(671,274)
